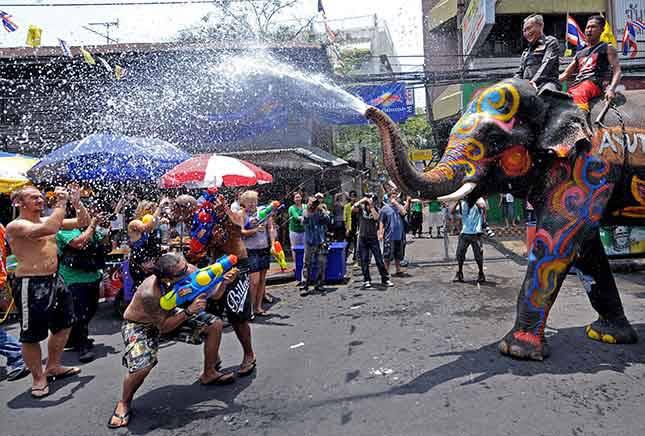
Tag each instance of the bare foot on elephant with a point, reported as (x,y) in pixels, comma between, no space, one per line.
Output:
(618,331)
(524,345)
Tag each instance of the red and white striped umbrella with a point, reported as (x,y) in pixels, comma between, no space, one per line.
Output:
(206,170)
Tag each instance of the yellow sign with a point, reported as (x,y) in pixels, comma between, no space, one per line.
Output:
(34,34)
(419,155)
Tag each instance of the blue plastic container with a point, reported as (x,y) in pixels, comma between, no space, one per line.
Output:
(336,267)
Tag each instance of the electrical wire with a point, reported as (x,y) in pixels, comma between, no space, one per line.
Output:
(122,3)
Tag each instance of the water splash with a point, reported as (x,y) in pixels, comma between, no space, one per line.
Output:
(193,102)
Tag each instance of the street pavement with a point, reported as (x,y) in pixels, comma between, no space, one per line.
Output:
(417,359)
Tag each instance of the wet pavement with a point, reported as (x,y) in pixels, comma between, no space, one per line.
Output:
(416,359)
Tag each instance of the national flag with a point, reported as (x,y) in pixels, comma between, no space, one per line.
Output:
(331,36)
(34,35)
(119,72)
(640,25)
(7,22)
(105,64)
(607,35)
(321,8)
(629,40)
(87,57)
(65,48)
(575,36)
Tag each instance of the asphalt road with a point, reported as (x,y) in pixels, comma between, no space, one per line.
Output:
(417,359)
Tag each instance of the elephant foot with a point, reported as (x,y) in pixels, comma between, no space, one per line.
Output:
(524,345)
(618,331)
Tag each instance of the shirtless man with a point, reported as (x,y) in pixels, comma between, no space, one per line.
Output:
(226,238)
(144,321)
(44,301)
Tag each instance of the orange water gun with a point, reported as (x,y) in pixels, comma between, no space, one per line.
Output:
(278,253)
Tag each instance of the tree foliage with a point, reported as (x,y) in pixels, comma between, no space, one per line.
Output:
(247,20)
(416,133)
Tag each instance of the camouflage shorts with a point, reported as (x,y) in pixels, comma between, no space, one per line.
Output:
(142,340)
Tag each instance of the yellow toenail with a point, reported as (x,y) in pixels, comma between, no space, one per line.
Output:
(609,339)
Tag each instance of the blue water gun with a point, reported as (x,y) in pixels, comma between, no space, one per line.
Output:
(203,281)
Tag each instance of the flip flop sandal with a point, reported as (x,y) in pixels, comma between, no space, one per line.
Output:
(223,379)
(17,373)
(43,389)
(125,419)
(70,372)
(249,369)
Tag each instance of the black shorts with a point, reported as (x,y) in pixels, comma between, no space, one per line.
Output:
(259,260)
(236,301)
(393,250)
(44,304)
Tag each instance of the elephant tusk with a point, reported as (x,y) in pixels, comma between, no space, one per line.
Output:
(460,193)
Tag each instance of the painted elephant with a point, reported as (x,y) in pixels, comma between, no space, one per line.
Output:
(576,176)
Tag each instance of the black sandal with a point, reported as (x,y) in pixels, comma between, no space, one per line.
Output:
(43,395)
(250,368)
(125,419)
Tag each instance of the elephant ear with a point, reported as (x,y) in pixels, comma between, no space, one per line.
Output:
(565,124)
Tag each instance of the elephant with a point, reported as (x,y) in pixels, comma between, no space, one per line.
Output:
(576,174)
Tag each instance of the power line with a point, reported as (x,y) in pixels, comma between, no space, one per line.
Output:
(122,3)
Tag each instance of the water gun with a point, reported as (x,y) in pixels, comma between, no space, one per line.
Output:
(264,214)
(278,253)
(203,222)
(203,281)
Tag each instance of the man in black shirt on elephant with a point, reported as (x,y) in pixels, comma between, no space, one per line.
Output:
(540,61)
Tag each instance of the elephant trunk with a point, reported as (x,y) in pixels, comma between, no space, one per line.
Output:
(438,182)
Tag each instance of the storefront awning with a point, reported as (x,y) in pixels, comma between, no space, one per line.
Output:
(303,158)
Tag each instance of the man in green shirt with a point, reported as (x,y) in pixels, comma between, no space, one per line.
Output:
(435,217)
(81,254)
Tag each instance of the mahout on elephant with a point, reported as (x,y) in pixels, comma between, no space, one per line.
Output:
(576,175)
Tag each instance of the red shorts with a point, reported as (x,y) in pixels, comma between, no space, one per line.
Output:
(583,92)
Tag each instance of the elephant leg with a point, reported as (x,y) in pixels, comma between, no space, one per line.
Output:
(544,277)
(575,199)
(592,267)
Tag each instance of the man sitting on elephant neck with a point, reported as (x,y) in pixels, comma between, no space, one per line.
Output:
(592,66)
(540,62)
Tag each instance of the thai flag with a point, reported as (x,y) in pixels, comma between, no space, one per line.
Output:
(629,40)
(640,25)
(575,36)
(7,22)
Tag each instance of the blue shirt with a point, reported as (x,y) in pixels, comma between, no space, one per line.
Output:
(392,223)
(315,227)
(471,219)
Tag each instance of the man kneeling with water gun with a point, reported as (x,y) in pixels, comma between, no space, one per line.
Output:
(146,322)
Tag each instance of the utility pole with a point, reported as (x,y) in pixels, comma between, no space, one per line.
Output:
(107,25)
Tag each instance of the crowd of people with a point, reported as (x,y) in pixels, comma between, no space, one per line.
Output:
(61,243)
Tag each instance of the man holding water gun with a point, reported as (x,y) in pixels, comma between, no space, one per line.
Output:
(217,231)
(145,321)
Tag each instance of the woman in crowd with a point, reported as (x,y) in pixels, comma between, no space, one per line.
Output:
(256,236)
(296,226)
